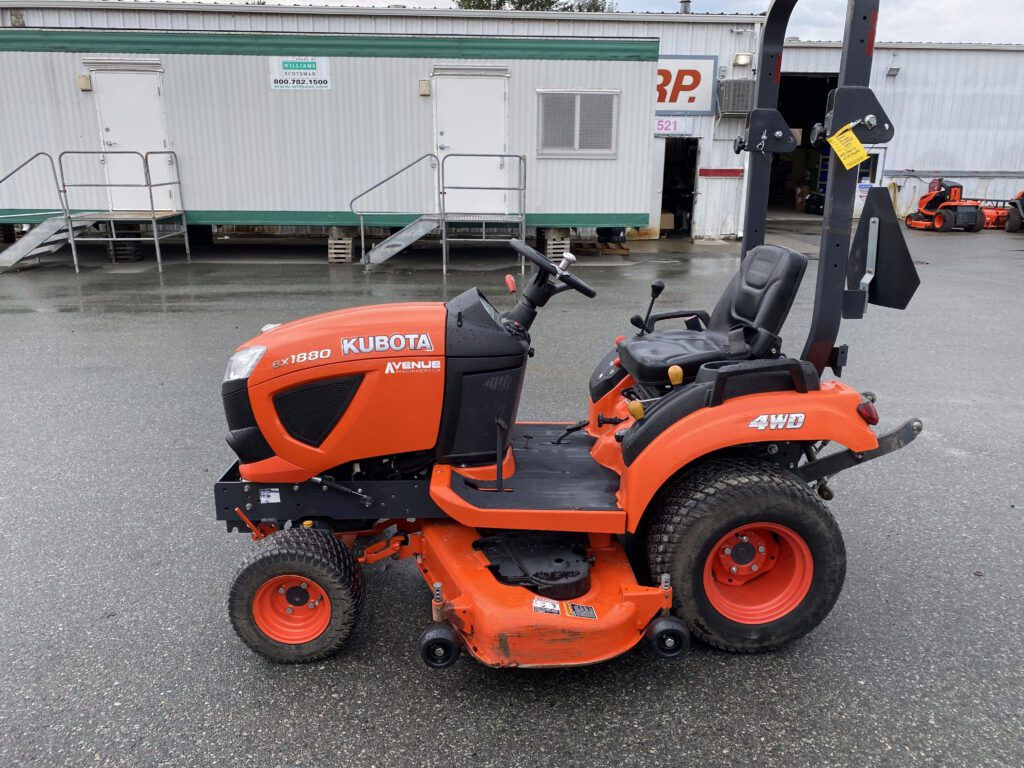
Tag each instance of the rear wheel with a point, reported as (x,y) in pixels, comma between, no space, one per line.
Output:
(908,221)
(979,221)
(297,596)
(756,559)
(1014,220)
(943,219)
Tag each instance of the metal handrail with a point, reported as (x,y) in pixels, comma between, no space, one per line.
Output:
(56,183)
(144,158)
(403,169)
(521,189)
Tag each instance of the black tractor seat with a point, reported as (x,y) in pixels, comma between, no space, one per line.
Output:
(745,324)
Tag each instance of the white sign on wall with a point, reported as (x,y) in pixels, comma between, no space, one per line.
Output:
(673,125)
(686,85)
(300,73)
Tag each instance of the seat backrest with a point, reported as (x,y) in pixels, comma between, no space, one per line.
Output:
(761,294)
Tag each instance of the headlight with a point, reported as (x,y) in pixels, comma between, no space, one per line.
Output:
(242,362)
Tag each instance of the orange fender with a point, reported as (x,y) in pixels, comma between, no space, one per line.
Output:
(827,414)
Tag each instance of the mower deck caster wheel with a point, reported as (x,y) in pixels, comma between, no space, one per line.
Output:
(668,637)
(440,646)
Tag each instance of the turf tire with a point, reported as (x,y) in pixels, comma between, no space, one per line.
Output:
(712,499)
(979,222)
(1014,220)
(311,553)
(944,219)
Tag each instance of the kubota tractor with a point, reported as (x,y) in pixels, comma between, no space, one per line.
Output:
(943,209)
(687,500)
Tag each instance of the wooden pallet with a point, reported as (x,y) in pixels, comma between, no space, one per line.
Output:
(592,248)
(340,250)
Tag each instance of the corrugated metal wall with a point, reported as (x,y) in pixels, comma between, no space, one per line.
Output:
(957,112)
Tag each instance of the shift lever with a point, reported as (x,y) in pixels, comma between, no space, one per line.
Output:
(656,288)
(567,261)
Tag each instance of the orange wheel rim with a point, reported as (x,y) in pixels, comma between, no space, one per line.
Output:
(758,573)
(291,609)
(939,220)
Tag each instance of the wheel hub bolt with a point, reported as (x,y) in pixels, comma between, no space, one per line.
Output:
(439,651)
(744,539)
(289,609)
(728,550)
(280,590)
(303,585)
(733,568)
(760,548)
(753,567)
(312,604)
(669,642)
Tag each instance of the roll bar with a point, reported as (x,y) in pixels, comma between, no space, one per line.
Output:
(767,133)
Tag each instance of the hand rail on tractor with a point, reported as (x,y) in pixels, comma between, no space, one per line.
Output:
(147,183)
(520,188)
(382,182)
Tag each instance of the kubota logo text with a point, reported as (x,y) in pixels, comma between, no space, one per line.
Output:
(778,421)
(356,345)
(405,366)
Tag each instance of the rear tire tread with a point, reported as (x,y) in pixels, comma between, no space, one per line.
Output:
(700,495)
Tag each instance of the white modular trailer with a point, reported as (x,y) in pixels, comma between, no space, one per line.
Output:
(323,147)
(957,109)
(286,128)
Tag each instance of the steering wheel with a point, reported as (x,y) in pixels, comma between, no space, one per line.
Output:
(545,266)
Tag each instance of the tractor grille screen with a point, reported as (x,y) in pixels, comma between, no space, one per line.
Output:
(311,411)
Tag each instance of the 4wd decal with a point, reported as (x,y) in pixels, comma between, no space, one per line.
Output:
(778,421)
(406,366)
(398,342)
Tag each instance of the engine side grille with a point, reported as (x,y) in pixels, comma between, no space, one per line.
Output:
(311,411)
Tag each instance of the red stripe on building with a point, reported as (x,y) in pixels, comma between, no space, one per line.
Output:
(721,173)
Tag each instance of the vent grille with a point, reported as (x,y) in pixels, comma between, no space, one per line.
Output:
(735,97)
(311,411)
(578,123)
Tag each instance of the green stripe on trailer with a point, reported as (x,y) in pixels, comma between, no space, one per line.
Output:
(369,46)
(345,218)
(349,219)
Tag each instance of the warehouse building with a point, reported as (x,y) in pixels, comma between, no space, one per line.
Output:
(281,115)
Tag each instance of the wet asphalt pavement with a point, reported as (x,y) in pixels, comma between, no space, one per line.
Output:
(116,648)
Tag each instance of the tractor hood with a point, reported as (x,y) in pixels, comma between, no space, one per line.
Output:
(414,329)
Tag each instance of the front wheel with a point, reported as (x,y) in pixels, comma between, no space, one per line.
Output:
(756,559)
(297,596)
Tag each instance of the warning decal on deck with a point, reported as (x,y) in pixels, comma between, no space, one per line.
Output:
(270,496)
(580,611)
(540,605)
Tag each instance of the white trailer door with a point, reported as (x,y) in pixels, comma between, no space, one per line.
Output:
(470,119)
(131,116)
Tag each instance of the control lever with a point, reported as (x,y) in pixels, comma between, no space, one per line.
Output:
(656,288)
(567,261)
(510,284)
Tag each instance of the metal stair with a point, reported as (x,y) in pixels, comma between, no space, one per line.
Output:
(47,237)
(403,238)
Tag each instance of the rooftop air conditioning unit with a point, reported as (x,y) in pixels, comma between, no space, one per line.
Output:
(735,97)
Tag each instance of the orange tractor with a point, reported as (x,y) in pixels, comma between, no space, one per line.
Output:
(688,500)
(943,209)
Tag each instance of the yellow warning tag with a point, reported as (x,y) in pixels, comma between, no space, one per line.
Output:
(848,148)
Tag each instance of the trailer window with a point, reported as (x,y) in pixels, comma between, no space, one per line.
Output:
(577,123)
